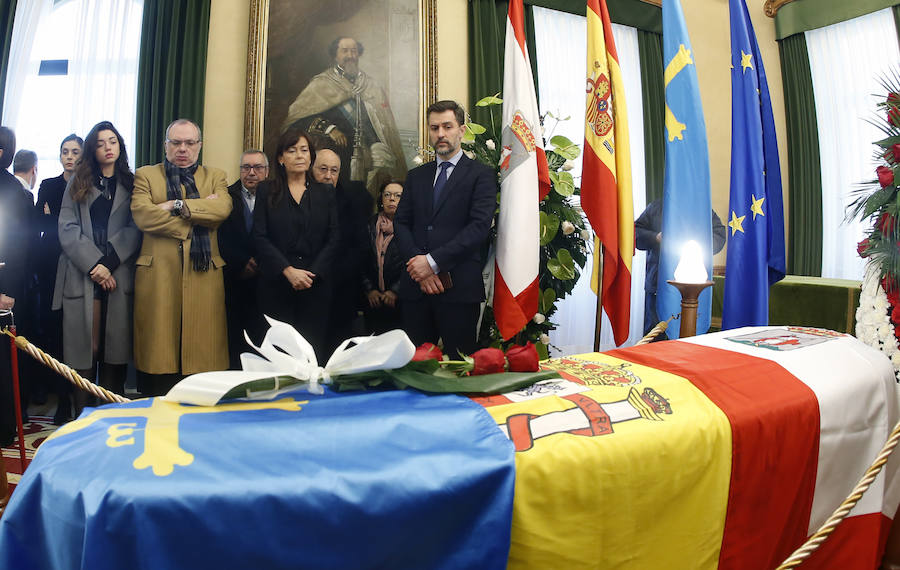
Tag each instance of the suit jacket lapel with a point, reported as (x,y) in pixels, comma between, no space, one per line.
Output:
(429,188)
(118,200)
(459,171)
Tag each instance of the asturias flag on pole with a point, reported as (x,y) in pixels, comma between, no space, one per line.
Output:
(686,198)
(606,171)
(755,213)
(524,180)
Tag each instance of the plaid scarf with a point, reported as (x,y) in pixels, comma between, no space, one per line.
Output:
(201,254)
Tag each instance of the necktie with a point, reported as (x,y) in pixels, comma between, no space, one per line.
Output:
(441,181)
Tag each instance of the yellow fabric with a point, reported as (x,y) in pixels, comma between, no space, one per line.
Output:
(662,477)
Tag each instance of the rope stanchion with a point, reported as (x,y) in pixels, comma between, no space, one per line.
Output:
(17,395)
(839,514)
(69,374)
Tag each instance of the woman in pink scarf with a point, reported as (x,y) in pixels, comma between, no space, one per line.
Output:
(382,279)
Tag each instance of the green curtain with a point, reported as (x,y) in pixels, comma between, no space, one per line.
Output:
(654,104)
(171,71)
(487,34)
(7,17)
(803,15)
(896,10)
(804,169)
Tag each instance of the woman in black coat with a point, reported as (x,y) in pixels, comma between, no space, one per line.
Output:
(382,278)
(295,232)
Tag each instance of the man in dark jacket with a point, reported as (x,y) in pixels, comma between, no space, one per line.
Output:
(354,206)
(241,268)
(15,233)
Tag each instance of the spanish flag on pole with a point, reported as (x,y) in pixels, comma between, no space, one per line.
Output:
(606,172)
(524,180)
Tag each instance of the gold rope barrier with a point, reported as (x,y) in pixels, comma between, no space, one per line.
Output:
(839,514)
(63,370)
(660,328)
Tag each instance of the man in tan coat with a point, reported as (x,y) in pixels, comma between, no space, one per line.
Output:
(179,296)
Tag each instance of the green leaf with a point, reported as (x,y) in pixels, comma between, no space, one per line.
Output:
(489,100)
(484,384)
(549,227)
(468,136)
(562,266)
(564,147)
(565,184)
(888,142)
(546,300)
(543,354)
(475,128)
(878,199)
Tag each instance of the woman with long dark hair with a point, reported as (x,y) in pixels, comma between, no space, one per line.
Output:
(95,275)
(295,231)
(382,278)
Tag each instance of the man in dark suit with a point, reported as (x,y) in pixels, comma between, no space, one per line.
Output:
(241,268)
(442,225)
(354,206)
(15,234)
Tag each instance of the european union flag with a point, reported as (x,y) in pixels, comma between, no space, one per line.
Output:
(755,214)
(686,201)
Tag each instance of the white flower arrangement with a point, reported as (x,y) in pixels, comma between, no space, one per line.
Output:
(873,323)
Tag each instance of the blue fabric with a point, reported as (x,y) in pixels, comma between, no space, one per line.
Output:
(441,180)
(756,257)
(394,479)
(686,195)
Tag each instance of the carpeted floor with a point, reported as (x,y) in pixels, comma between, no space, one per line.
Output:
(36,431)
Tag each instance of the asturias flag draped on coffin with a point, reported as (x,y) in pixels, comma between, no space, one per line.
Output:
(755,217)
(606,171)
(686,198)
(524,180)
(391,479)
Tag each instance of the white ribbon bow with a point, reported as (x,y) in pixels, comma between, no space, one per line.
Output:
(285,353)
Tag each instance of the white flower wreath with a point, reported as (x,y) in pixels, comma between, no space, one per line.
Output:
(873,323)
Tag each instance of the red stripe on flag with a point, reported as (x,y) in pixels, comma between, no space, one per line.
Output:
(516,16)
(853,544)
(774,421)
(599,7)
(512,313)
(600,201)
(543,173)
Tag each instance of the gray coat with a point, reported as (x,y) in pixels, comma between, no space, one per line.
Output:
(74,292)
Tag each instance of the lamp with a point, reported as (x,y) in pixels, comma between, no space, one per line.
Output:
(690,280)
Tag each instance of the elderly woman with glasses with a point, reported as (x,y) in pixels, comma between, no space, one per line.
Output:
(386,266)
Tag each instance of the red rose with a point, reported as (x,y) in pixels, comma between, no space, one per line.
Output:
(893,110)
(890,288)
(895,314)
(886,223)
(895,151)
(861,248)
(427,351)
(522,358)
(885,176)
(488,361)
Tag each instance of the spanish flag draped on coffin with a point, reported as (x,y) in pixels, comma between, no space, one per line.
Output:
(724,450)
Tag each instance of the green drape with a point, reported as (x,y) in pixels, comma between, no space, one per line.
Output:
(896,10)
(654,103)
(7,17)
(487,34)
(171,71)
(804,169)
(803,15)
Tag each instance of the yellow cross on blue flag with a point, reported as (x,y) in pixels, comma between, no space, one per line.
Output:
(755,214)
(686,199)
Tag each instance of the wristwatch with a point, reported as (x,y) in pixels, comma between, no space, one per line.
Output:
(176,209)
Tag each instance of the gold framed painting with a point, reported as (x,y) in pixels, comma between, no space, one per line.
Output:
(356,75)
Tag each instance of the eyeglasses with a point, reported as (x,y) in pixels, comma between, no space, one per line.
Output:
(187,143)
(325,169)
(392,195)
(256,167)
